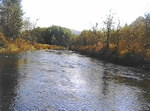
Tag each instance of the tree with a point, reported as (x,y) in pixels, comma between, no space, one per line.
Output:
(147,28)
(10,18)
(108,23)
(56,35)
(117,34)
(147,23)
(27,24)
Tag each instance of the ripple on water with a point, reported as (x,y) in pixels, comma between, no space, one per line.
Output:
(63,80)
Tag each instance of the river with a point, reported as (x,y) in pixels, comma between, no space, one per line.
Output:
(62,80)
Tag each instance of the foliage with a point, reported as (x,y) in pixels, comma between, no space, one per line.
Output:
(10,18)
(109,24)
(20,44)
(27,24)
(128,45)
(54,35)
(45,46)
(87,37)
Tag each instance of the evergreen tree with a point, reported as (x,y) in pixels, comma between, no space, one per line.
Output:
(10,18)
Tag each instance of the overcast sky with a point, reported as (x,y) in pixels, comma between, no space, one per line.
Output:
(82,14)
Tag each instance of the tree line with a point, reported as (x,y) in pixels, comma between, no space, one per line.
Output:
(14,25)
(53,35)
(128,44)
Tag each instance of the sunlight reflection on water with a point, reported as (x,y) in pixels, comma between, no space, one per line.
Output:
(66,81)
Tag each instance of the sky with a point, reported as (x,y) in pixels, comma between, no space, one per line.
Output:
(82,14)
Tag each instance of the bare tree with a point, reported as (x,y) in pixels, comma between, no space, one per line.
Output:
(118,29)
(147,23)
(27,24)
(109,24)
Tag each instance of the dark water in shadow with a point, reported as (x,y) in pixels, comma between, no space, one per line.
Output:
(51,80)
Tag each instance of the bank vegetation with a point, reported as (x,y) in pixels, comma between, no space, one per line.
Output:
(127,45)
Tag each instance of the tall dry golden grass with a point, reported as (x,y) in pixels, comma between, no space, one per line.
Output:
(20,44)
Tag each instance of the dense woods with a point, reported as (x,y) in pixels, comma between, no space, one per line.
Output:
(127,45)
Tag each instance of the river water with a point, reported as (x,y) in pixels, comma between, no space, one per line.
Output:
(62,80)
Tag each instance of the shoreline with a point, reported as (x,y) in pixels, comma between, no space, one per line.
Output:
(102,55)
(113,58)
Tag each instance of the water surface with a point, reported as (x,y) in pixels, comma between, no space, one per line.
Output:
(62,80)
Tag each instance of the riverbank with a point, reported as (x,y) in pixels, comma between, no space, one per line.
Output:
(19,44)
(130,59)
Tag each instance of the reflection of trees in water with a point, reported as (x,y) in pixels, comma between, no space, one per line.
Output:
(105,83)
(8,81)
(105,90)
